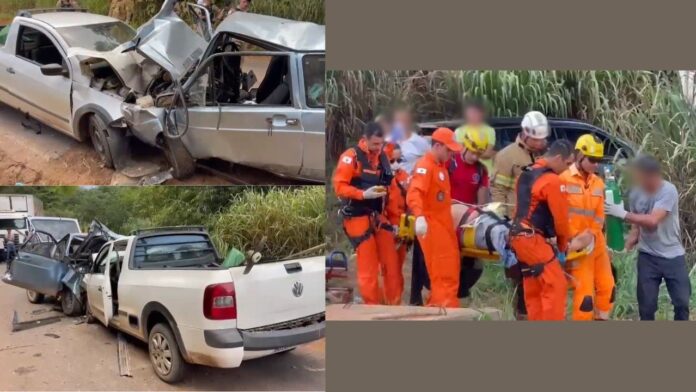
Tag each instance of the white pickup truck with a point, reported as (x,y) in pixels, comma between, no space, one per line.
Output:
(168,288)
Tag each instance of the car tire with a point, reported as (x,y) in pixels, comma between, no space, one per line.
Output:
(70,304)
(165,357)
(183,164)
(100,140)
(34,297)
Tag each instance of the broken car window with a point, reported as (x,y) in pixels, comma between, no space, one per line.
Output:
(314,78)
(102,37)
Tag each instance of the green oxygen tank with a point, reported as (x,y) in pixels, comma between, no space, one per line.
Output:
(614,226)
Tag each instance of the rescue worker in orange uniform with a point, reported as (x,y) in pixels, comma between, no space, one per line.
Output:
(396,202)
(361,181)
(540,232)
(430,202)
(593,281)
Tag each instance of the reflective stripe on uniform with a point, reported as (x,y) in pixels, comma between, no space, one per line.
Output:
(598,192)
(504,180)
(599,220)
(573,189)
(581,211)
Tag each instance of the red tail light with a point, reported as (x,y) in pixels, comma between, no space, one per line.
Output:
(220,302)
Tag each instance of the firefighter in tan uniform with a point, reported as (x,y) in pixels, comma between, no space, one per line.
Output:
(508,164)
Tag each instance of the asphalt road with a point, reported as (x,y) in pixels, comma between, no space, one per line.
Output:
(69,356)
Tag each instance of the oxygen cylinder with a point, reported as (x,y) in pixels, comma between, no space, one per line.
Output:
(614,226)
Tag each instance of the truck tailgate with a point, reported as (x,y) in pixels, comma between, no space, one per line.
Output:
(277,292)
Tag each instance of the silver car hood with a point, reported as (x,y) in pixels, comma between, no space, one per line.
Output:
(287,34)
(127,65)
(168,41)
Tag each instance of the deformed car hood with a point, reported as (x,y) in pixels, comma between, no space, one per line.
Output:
(285,33)
(97,230)
(168,41)
(126,65)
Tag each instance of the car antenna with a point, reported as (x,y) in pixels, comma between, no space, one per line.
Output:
(254,256)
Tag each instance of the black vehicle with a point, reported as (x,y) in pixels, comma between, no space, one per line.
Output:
(507,129)
(46,267)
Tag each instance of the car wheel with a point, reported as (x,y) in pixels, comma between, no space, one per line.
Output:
(164,354)
(183,164)
(70,304)
(100,140)
(34,297)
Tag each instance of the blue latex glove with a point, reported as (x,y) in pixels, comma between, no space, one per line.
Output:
(562,258)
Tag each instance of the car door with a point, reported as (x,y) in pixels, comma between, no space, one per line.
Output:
(264,132)
(37,267)
(313,72)
(46,98)
(94,285)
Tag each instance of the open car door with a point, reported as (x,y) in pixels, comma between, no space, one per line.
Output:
(36,267)
(201,18)
(99,301)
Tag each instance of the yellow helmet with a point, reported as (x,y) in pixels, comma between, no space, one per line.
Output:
(590,146)
(474,140)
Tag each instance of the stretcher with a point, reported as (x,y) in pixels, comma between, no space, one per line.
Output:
(475,227)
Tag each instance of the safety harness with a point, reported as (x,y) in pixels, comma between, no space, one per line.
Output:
(351,208)
(487,235)
(540,218)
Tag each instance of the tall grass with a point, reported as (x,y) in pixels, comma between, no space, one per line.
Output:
(304,10)
(292,220)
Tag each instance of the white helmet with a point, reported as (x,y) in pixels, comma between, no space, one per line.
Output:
(535,125)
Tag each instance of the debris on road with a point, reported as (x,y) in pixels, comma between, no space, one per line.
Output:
(24,325)
(123,357)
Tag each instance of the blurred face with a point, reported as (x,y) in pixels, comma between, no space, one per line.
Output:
(589,164)
(536,145)
(474,116)
(470,157)
(244,5)
(647,181)
(404,118)
(442,153)
(375,144)
(396,155)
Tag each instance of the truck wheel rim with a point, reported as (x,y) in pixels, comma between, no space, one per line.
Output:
(161,353)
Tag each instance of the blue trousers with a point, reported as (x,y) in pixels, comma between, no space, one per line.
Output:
(651,270)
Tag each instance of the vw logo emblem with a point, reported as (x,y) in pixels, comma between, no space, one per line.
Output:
(297,289)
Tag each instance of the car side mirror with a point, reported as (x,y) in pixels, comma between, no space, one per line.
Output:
(54,70)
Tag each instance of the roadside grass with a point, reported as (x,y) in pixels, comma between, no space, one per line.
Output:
(304,10)
(291,219)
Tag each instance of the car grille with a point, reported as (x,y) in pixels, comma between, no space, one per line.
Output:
(302,322)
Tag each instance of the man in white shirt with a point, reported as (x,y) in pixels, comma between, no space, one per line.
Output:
(405,134)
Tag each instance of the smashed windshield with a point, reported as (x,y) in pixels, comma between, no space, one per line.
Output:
(103,37)
(57,228)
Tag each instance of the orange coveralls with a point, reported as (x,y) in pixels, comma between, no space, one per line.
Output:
(379,249)
(429,196)
(594,281)
(545,295)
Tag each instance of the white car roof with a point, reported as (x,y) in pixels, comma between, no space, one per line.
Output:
(290,34)
(70,19)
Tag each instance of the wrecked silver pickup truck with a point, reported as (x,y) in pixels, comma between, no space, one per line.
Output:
(46,267)
(96,79)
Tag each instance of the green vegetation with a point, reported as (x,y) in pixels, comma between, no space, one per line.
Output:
(305,10)
(645,108)
(292,218)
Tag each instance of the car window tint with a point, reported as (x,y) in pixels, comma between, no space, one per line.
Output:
(177,249)
(314,71)
(37,47)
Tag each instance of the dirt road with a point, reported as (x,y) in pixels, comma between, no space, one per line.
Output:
(53,158)
(66,356)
